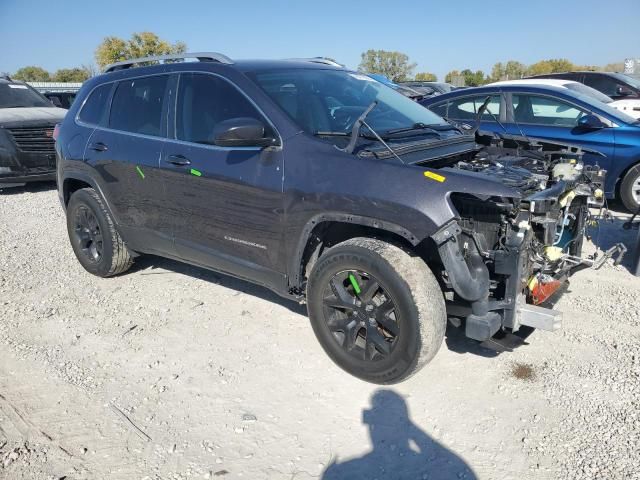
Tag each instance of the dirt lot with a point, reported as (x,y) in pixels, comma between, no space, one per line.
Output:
(173,372)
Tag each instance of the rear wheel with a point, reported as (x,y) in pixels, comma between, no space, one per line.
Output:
(94,239)
(376,310)
(630,189)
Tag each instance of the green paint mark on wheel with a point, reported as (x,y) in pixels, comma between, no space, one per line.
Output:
(354,282)
(195,172)
(140,172)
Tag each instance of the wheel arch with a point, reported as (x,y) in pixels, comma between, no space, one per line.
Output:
(325,230)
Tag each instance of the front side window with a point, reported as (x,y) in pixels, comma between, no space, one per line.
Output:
(323,100)
(548,111)
(203,102)
(466,108)
(603,84)
(137,105)
(94,107)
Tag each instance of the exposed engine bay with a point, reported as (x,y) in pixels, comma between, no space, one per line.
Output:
(506,257)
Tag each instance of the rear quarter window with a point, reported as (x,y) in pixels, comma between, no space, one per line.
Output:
(94,108)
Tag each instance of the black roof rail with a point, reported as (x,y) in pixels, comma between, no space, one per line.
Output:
(201,56)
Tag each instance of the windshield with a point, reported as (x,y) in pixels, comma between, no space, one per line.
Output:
(634,82)
(15,95)
(590,92)
(617,115)
(320,100)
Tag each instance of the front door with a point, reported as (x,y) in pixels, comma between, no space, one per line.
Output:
(227,203)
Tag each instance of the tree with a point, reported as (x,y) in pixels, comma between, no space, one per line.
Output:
(143,44)
(473,79)
(452,77)
(426,77)
(32,74)
(71,75)
(556,65)
(393,65)
(512,70)
(614,67)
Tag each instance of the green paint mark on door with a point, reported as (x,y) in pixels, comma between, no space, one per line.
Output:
(140,172)
(195,172)
(354,282)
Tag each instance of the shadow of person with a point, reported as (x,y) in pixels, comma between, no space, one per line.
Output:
(400,449)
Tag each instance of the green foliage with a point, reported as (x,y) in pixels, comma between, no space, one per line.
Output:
(512,70)
(473,79)
(143,44)
(556,65)
(614,67)
(71,75)
(393,65)
(426,77)
(32,74)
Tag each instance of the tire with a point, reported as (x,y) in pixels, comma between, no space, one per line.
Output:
(410,334)
(630,189)
(93,236)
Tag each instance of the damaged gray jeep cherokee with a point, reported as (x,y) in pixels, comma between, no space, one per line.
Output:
(326,187)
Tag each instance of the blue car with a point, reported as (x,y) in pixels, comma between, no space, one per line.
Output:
(559,114)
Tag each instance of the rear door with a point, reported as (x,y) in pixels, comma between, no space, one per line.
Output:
(551,118)
(227,202)
(125,152)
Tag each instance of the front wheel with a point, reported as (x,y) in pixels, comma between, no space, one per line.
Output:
(377,311)
(630,189)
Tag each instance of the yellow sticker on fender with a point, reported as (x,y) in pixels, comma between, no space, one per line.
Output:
(435,176)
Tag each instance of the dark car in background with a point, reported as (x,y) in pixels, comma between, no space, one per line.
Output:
(618,86)
(61,99)
(437,87)
(329,188)
(27,121)
(556,114)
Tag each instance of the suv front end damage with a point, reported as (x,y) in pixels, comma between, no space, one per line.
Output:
(503,258)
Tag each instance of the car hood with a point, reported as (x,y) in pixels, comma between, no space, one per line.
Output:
(31,114)
(631,107)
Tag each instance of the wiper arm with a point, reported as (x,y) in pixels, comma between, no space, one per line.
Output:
(355,130)
(414,127)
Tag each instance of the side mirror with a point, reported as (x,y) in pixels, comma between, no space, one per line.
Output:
(622,91)
(56,102)
(241,132)
(590,122)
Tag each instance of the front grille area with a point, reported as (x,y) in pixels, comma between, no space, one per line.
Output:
(34,139)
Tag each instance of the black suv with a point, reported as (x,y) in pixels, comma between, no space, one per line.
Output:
(27,120)
(326,187)
(615,85)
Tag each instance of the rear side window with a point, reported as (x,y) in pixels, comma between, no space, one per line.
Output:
(137,105)
(466,108)
(203,102)
(94,107)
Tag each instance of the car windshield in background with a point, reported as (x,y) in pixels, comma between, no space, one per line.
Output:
(16,95)
(326,101)
(634,81)
(617,114)
(590,92)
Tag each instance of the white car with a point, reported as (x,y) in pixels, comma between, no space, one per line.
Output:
(630,107)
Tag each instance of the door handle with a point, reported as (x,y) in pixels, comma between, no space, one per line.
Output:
(98,147)
(179,160)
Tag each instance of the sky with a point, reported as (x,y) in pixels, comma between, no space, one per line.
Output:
(439,36)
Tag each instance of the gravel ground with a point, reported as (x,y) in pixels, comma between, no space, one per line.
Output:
(173,372)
